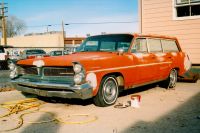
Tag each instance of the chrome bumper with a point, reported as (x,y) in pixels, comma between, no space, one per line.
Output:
(83,91)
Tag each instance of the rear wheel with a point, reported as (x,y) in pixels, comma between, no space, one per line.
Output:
(170,82)
(108,92)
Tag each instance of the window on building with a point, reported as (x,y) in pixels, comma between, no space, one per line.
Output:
(185,8)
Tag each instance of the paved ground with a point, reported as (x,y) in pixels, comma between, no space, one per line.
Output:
(161,111)
(5,81)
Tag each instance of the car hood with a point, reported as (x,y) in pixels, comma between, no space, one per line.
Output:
(90,60)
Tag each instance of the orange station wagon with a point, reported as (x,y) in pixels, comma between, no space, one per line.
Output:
(103,66)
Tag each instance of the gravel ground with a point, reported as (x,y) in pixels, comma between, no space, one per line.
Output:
(161,111)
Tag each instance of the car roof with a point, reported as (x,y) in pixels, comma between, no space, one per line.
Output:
(155,36)
(141,35)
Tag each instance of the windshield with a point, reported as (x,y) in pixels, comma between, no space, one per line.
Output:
(110,43)
(33,52)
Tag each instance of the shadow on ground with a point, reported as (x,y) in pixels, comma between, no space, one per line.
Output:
(87,101)
(50,127)
(184,119)
(90,101)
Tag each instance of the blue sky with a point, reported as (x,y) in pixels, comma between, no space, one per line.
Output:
(51,12)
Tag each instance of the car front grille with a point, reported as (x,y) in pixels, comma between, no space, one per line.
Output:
(46,71)
(56,71)
(29,70)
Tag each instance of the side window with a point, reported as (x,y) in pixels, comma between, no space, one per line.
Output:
(123,45)
(140,45)
(154,45)
(169,46)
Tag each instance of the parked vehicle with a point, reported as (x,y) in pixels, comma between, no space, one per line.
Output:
(14,55)
(33,53)
(58,53)
(103,66)
(4,57)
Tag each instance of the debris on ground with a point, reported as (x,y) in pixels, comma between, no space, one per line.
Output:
(31,106)
(189,77)
(6,87)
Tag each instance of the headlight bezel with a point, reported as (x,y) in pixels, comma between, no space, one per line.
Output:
(77,68)
(13,71)
(79,71)
(12,66)
(79,78)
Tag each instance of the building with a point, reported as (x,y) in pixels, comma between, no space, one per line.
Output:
(73,41)
(37,40)
(50,39)
(179,18)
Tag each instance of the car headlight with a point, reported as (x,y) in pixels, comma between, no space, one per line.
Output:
(79,78)
(12,66)
(13,70)
(78,68)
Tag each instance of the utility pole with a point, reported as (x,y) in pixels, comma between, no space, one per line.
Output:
(2,16)
(63,32)
(48,28)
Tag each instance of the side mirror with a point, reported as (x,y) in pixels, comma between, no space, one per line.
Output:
(120,51)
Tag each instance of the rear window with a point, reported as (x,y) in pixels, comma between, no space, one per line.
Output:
(32,52)
(169,46)
(57,53)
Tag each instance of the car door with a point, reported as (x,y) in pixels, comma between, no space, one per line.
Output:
(144,61)
(171,56)
(160,64)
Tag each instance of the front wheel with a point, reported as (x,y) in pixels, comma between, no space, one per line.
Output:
(170,82)
(108,92)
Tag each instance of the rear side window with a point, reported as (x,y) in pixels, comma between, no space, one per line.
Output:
(169,46)
(154,45)
(140,45)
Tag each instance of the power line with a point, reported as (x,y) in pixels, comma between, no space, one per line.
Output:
(87,23)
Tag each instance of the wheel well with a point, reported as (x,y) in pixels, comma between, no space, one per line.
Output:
(177,69)
(119,78)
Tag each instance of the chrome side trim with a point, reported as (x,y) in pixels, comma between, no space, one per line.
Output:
(146,83)
(125,67)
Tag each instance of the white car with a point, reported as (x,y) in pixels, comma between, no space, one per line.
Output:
(4,56)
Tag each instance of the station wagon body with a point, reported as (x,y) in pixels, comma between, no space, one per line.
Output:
(103,66)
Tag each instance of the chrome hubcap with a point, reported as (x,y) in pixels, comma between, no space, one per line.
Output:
(110,91)
(173,78)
